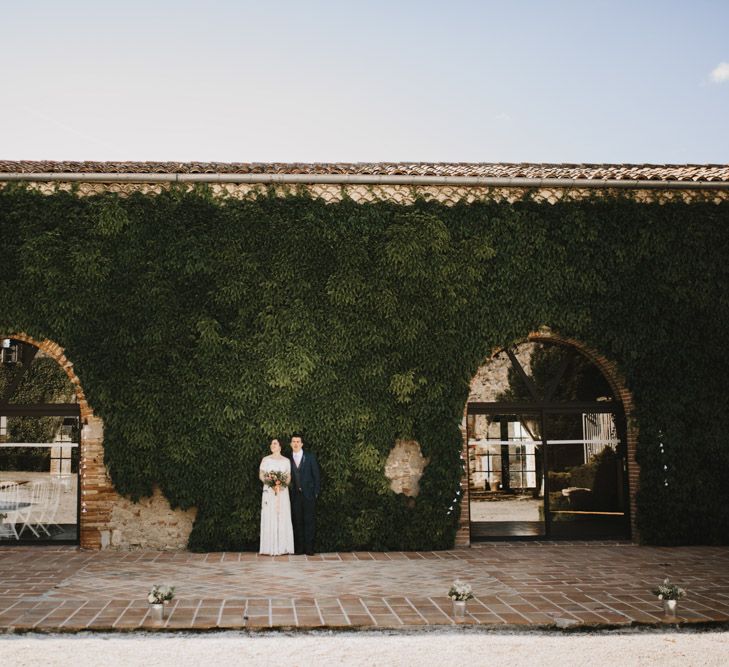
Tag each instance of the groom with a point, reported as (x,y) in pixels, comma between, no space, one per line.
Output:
(304,490)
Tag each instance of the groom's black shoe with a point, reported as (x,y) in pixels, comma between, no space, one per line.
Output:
(309,552)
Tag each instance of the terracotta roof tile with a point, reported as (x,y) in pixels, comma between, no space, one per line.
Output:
(699,173)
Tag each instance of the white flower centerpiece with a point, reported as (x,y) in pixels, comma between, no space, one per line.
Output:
(670,594)
(158,597)
(460,592)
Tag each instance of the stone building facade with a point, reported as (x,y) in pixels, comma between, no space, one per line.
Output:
(108,520)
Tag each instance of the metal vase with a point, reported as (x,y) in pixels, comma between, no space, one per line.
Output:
(669,607)
(157,612)
(459,610)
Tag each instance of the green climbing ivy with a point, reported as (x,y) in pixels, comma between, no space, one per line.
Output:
(200,327)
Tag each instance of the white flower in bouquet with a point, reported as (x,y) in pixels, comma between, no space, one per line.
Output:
(160,594)
(460,591)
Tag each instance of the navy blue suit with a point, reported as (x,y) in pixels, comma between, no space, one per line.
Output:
(304,490)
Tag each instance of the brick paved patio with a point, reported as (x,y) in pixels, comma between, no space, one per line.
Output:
(525,584)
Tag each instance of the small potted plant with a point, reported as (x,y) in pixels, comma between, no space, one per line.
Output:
(460,593)
(158,597)
(670,594)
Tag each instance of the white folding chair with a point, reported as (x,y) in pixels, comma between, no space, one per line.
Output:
(30,515)
(9,493)
(49,511)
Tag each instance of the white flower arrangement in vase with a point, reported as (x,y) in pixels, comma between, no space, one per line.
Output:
(160,594)
(460,592)
(670,594)
(158,597)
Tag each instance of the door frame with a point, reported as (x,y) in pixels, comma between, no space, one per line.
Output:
(542,409)
(8,409)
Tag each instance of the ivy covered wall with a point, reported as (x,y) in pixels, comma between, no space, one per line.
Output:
(201,326)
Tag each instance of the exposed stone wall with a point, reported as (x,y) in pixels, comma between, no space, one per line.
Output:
(492,378)
(148,524)
(404,467)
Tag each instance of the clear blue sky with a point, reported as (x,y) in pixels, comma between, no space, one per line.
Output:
(548,81)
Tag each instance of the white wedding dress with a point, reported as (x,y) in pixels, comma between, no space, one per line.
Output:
(277,533)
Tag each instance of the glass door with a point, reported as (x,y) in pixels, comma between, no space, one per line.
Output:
(585,477)
(505,476)
(546,450)
(39,479)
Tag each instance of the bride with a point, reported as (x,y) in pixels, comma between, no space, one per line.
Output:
(277,534)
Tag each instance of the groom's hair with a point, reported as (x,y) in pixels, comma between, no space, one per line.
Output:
(297,435)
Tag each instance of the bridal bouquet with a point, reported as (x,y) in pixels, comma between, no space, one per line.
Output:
(274,478)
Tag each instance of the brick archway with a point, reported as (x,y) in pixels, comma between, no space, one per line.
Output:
(96,488)
(617,384)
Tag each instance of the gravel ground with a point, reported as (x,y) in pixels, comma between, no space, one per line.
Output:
(370,648)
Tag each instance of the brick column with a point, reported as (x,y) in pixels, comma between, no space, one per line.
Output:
(463,534)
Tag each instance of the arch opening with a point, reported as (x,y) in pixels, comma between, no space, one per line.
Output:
(40,443)
(546,446)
